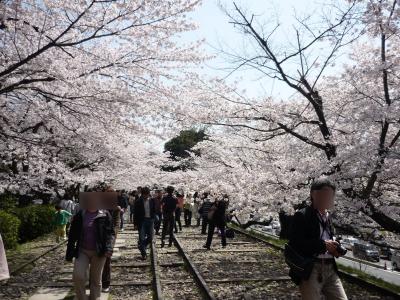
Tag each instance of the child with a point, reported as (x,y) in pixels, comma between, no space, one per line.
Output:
(61,219)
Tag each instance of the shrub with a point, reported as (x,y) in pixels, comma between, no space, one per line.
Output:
(36,220)
(9,229)
(7,202)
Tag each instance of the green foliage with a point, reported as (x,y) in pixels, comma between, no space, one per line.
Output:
(36,220)
(185,141)
(9,228)
(7,201)
(180,145)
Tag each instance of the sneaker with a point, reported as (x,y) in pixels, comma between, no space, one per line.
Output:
(105,290)
(206,247)
(122,229)
(162,244)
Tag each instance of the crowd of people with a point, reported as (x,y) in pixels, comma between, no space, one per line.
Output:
(92,231)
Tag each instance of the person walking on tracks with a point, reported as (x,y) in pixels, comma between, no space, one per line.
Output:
(131,201)
(145,213)
(123,203)
(312,249)
(90,242)
(195,209)
(204,212)
(188,211)
(169,203)
(178,211)
(216,217)
(157,201)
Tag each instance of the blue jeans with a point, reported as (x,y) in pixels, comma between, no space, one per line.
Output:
(145,234)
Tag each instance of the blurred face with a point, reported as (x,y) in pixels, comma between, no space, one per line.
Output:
(323,198)
(98,200)
(91,203)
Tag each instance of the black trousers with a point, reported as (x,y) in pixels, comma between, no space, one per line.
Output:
(204,223)
(131,216)
(178,219)
(187,215)
(168,227)
(211,229)
(121,225)
(106,275)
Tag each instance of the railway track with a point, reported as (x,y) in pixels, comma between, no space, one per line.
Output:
(29,274)
(244,269)
(35,259)
(248,268)
(164,275)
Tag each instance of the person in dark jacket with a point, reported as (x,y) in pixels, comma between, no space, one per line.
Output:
(145,213)
(157,201)
(168,204)
(131,201)
(90,242)
(312,236)
(123,204)
(218,220)
(204,212)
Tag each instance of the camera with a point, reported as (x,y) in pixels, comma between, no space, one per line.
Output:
(341,250)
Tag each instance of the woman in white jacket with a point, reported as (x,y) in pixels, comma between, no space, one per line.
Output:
(196,207)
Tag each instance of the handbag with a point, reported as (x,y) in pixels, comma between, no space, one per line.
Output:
(300,266)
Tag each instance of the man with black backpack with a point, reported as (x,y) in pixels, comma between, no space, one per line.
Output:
(217,218)
(168,204)
(204,213)
(312,248)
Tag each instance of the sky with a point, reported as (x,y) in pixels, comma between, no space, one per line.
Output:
(214,27)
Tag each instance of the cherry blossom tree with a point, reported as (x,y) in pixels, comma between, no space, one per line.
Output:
(82,85)
(344,124)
